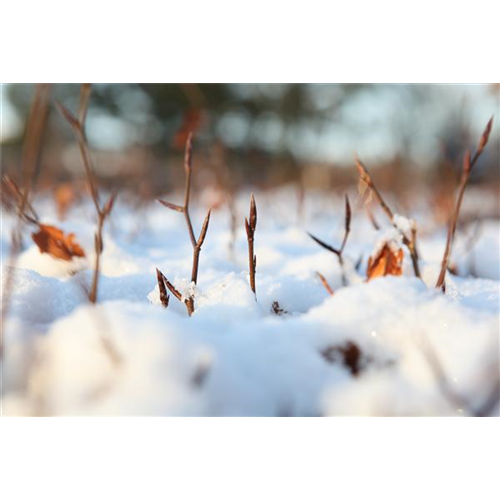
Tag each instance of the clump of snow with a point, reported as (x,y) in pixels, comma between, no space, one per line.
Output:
(404,225)
(391,238)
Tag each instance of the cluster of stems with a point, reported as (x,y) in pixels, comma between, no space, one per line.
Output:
(410,243)
(196,243)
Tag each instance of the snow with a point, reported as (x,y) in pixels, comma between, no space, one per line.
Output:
(404,225)
(391,237)
(130,356)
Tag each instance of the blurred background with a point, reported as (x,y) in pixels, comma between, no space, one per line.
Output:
(261,135)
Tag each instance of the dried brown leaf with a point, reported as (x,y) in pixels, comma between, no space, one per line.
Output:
(387,262)
(55,242)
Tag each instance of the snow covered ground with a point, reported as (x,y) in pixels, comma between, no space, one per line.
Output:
(366,350)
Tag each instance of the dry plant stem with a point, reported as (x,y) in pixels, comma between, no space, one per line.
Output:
(188,167)
(325,283)
(467,167)
(250,226)
(30,159)
(339,252)
(78,126)
(97,263)
(28,214)
(164,297)
(197,247)
(83,105)
(34,135)
(188,302)
(366,177)
(347,224)
(196,244)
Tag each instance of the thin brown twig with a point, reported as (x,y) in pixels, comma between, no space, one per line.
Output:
(83,105)
(78,126)
(325,283)
(34,134)
(250,226)
(10,187)
(466,170)
(196,243)
(347,224)
(339,252)
(367,179)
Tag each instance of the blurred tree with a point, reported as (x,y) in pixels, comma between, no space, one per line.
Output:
(160,115)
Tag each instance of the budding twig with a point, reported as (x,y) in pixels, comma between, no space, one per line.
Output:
(339,252)
(250,225)
(164,297)
(196,243)
(78,126)
(367,181)
(466,170)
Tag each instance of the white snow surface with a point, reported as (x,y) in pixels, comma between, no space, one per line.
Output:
(130,356)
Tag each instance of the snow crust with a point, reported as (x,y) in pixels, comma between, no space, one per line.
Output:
(130,356)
